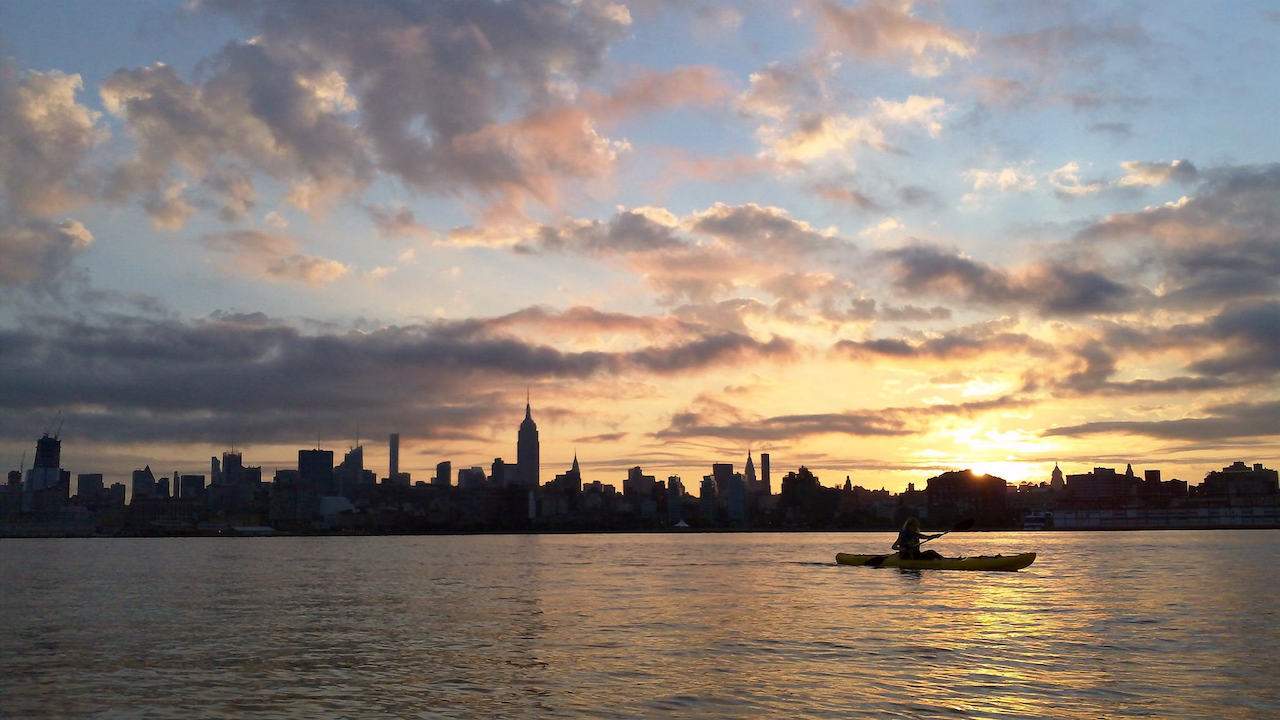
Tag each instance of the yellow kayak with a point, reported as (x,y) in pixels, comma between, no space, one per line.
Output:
(982,562)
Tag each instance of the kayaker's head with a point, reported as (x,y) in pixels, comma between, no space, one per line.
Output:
(911,524)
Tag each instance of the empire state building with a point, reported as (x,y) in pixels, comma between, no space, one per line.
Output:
(527,463)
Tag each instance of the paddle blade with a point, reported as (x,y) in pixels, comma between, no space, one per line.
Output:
(966,524)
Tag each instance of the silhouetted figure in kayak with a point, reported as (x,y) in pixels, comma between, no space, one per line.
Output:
(908,542)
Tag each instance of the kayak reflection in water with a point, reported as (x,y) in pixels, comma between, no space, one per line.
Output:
(908,542)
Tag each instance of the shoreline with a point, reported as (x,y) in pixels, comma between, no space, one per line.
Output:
(652,531)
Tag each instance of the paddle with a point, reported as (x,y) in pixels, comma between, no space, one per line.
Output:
(963,525)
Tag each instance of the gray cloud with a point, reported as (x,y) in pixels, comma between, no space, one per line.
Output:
(782,427)
(1237,420)
(711,419)
(964,342)
(234,376)
(1217,245)
(1242,342)
(395,222)
(36,253)
(1051,288)
(1250,334)
(628,231)
(1117,130)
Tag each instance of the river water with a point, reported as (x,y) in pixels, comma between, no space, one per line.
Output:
(1158,624)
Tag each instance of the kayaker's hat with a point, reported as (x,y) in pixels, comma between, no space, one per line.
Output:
(911,524)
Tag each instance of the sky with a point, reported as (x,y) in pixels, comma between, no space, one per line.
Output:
(880,239)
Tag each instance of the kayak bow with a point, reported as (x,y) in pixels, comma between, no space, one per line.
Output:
(981,562)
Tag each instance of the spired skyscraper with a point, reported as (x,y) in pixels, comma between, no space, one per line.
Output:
(527,462)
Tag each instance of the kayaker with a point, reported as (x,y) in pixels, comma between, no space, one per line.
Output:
(908,542)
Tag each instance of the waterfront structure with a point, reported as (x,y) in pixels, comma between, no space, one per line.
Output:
(301,499)
(528,463)
(965,494)
(1240,480)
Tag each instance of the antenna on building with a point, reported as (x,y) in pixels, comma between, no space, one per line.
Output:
(58,430)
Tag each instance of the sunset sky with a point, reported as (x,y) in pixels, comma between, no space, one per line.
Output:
(881,239)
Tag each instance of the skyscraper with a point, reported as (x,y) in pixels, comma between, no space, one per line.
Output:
(765,484)
(527,462)
(393,470)
(749,474)
(48,452)
(315,467)
(47,486)
(722,472)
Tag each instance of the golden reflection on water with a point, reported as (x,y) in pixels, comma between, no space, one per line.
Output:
(759,625)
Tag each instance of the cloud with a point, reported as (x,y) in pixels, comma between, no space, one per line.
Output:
(687,425)
(1221,422)
(697,257)
(1150,174)
(848,196)
(885,30)
(1237,347)
(1216,245)
(396,222)
(707,418)
(611,437)
(1007,179)
(256,110)
(651,91)
(35,253)
(964,342)
(1118,130)
(915,110)
(274,256)
(45,137)
(247,377)
(764,229)
(1250,335)
(803,136)
(476,98)
(629,231)
(1067,184)
(1097,365)
(1051,288)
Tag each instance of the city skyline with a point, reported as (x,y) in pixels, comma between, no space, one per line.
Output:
(887,239)
(526,471)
